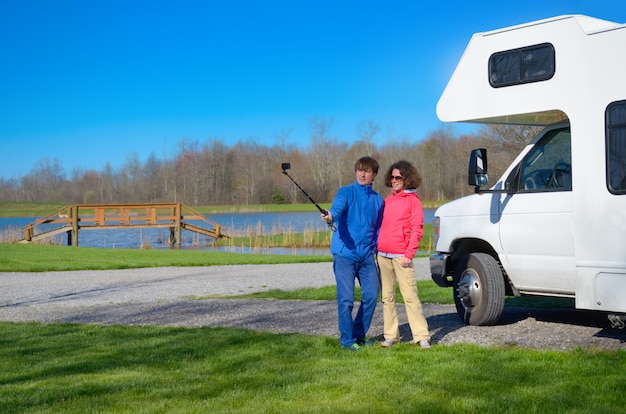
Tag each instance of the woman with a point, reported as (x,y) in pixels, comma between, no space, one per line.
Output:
(400,234)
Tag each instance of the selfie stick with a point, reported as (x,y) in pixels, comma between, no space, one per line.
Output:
(285,166)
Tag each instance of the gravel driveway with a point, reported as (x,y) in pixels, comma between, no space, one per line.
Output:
(164,296)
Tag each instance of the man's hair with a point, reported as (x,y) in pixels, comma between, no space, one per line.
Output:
(366,163)
(412,179)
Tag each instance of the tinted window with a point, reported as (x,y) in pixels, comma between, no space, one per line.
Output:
(548,166)
(523,65)
(616,147)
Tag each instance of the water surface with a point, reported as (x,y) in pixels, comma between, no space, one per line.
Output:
(233,224)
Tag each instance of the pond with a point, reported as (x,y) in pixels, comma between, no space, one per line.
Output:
(233,224)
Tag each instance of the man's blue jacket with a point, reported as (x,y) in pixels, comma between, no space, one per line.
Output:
(357,212)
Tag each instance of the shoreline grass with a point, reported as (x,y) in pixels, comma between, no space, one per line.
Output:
(26,209)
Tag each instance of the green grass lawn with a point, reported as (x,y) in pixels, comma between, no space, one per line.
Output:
(133,369)
(44,258)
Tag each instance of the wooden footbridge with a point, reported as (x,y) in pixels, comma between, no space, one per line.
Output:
(73,218)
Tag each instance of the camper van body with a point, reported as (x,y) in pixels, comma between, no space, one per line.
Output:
(554,224)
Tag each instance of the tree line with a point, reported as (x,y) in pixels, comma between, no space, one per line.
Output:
(211,172)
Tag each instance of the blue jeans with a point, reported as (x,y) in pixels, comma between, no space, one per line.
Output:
(346,272)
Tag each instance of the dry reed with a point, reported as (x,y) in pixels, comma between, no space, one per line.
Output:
(13,234)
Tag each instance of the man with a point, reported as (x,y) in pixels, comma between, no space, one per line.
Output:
(356,212)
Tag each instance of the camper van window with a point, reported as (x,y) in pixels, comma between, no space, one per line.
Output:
(523,65)
(548,166)
(616,147)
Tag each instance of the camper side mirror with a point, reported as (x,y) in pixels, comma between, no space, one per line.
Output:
(477,171)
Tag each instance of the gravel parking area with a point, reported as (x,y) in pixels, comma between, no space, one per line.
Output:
(165,296)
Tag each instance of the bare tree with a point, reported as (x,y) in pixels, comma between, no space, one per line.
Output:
(283,151)
(189,172)
(281,142)
(9,189)
(151,174)
(86,185)
(166,175)
(31,188)
(366,132)
(297,160)
(213,173)
(440,166)
(398,148)
(339,165)
(132,174)
(47,177)
(106,185)
(320,163)
(509,139)
(248,165)
(217,170)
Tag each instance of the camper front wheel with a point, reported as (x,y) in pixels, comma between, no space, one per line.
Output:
(478,289)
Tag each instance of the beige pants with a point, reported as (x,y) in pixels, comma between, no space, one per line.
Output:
(390,271)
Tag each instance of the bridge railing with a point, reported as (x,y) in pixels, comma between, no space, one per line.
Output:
(73,218)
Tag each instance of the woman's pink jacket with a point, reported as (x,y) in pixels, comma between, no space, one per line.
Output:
(403,224)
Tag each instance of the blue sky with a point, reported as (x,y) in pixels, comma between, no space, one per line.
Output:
(90,82)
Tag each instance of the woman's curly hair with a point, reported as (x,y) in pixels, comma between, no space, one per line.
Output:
(412,179)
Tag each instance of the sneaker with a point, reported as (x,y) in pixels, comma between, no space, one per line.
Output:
(366,342)
(387,343)
(424,344)
(353,347)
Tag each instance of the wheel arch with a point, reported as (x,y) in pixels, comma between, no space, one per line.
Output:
(463,247)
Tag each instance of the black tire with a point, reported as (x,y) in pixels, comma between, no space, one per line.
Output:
(479,289)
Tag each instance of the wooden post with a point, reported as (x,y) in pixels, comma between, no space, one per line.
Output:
(172,236)
(179,217)
(172,227)
(98,216)
(74,215)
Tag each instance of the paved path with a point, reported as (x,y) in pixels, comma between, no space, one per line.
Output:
(164,283)
(166,296)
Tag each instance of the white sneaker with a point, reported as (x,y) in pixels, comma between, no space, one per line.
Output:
(387,343)
(424,344)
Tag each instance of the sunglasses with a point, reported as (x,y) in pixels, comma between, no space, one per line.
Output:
(396,177)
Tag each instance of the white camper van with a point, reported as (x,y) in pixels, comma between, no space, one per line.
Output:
(554,224)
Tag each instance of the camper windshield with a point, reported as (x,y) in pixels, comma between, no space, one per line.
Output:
(548,166)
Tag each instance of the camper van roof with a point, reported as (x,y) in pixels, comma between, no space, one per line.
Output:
(589,25)
(485,87)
